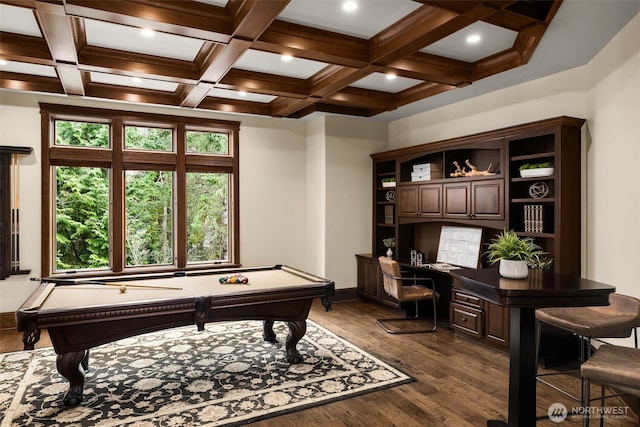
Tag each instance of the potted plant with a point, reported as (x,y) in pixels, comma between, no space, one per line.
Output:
(389,243)
(516,254)
(388,182)
(528,170)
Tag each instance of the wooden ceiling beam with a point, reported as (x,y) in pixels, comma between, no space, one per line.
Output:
(425,66)
(17,47)
(112,61)
(365,98)
(252,18)
(414,32)
(334,78)
(314,44)
(144,96)
(235,106)
(221,60)
(495,64)
(326,107)
(59,36)
(30,83)
(193,19)
(284,107)
(268,84)
(422,91)
(192,95)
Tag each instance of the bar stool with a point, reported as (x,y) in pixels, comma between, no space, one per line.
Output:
(618,367)
(617,320)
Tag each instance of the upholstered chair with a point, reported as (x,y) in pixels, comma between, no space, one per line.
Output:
(394,287)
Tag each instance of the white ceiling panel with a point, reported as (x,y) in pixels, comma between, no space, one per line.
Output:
(380,82)
(121,37)
(26,68)
(271,63)
(368,19)
(18,20)
(493,39)
(114,79)
(232,94)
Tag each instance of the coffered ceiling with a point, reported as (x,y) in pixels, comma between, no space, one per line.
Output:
(279,58)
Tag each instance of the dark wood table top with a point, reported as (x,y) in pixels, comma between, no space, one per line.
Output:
(539,289)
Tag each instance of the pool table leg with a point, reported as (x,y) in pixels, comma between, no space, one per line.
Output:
(297,329)
(30,338)
(72,366)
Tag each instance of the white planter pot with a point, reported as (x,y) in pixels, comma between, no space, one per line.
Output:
(513,269)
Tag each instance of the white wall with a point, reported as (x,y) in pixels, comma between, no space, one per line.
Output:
(20,126)
(273,204)
(349,143)
(316,196)
(613,163)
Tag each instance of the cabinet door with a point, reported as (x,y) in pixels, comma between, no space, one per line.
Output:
(496,323)
(430,200)
(487,199)
(368,278)
(456,200)
(408,200)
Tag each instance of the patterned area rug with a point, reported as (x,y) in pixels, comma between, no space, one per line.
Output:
(226,375)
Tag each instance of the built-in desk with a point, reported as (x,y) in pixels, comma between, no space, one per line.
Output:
(522,297)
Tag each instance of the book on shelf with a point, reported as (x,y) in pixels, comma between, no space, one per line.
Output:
(388,214)
(533,219)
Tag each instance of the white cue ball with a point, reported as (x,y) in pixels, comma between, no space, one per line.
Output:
(123,289)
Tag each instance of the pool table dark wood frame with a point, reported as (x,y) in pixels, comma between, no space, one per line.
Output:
(75,331)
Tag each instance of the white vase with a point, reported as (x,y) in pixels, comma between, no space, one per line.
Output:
(513,269)
(389,253)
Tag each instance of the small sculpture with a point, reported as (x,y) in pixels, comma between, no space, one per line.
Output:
(472,172)
(476,172)
(459,171)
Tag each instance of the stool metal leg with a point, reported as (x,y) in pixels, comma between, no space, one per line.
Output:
(586,394)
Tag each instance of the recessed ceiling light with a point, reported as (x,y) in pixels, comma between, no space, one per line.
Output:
(390,76)
(147,32)
(349,6)
(136,79)
(473,39)
(242,93)
(286,58)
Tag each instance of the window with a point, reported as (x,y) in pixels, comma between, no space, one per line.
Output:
(130,192)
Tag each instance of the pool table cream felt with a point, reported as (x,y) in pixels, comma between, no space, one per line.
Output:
(192,286)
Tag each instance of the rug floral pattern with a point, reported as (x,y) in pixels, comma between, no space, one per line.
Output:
(225,375)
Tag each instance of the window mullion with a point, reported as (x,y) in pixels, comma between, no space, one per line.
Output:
(180,197)
(117,197)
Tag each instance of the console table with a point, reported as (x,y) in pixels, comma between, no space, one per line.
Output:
(539,289)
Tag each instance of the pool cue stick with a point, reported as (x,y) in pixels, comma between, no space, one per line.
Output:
(140,286)
(71,282)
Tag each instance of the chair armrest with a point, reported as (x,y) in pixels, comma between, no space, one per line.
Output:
(413,279)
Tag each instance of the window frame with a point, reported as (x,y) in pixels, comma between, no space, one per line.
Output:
(118,159)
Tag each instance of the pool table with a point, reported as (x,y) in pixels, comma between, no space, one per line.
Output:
(82,314)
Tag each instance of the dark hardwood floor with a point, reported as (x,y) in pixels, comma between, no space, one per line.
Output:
(458,382)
